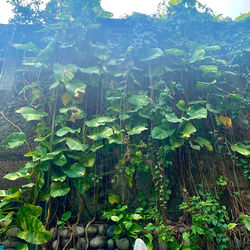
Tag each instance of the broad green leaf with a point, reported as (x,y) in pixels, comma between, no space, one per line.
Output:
(196,147)
(204,142)
(99,121)
(60,160)
(244,218)
(13,176)
(29,209)
(188,130)
(96,146)
(115,218)
(15,140)
(231,226)
(202,85)
(241,148)
(162,131)
(198,55)
(171,117)
(113,198)
(75,144)
(208,48)
(176,142)
(137,130)
(139,100)
(27,47)
(211,109)
(90,70)
(152,54)
(137,216)
(197,229)
(58,177)
(175,52)
(105,133)
(65,73)
(63,131)
(186,236)
(181,105)
(89,160)
(74,171)
(208,68)
(31,114)
(22,246)
(33,231)
(66,215)
(197,112)
(58,189)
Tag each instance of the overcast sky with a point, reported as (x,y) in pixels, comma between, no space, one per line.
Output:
(232,8)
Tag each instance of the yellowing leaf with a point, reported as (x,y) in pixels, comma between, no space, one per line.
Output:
(66,98)
(226,121)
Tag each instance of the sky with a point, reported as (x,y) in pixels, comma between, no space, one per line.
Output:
(119,8)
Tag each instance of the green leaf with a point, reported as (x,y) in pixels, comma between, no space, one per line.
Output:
(13,176)
(230,226)
(152,54)
(99,121)
(33,231)
(58,177)
(22,246)
(186,236)
(176,142)
(60,160)
(105,133)
(74,171)
(89,160)
(208,68)
(244,218)
(26,46)
(198,55)
(188,130)
(113,198)
(181,105)
(196,147)
(197,229)
(137,216)
(31,114)
(171,117)
(204,142)
(197,112)
(241,148)
(58,189)
(29,209)
(115,218)
(90,70)
(137,130)
(64,73)
(162,131)
(175,52)
(75,144)
(66,215)
(138,100)
(15,140)
(63,131)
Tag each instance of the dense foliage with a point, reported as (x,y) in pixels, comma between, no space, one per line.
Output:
(163,103)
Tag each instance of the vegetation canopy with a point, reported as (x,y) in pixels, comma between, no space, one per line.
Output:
(134,124)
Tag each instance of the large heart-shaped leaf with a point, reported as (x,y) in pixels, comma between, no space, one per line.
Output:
(171,117)
(64,130)
(174,52)
(204,142)
(74,171)
(139,100)
(75,144)
(29,209)
(31,114)
(241,148)
(188,130)
(137,130)
(65,73)
(15,140)
(198,55)
(197,112)
(162,131)
(76,89)
(98,121)
(33,231)
(58,189)
(105,133)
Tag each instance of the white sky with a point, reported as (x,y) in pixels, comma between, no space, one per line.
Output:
(232,8)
